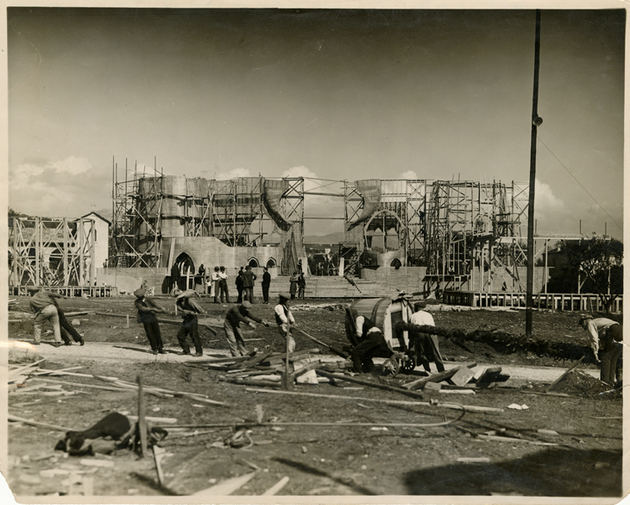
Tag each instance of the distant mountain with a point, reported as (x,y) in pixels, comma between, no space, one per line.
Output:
(331,238)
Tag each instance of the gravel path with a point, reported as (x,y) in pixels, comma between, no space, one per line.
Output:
(137,353)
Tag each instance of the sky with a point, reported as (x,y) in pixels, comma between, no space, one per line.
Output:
(325,94)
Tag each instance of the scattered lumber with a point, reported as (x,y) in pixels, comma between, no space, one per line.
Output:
(368,383)
(436,377)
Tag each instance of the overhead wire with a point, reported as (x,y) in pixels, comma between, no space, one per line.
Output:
(581,185)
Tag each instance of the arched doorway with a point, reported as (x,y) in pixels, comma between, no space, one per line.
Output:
(183,273)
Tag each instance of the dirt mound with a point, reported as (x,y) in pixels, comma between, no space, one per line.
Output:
(579,383)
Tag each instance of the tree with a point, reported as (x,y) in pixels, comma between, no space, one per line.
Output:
(596,264)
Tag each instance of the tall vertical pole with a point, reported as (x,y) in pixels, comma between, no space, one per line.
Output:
(536,122)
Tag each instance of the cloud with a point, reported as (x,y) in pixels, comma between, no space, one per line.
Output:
(64,188)
(545,200)
(72,165)
(409,175)
(232,174)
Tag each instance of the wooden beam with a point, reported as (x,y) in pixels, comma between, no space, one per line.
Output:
(368,383)
(142,422)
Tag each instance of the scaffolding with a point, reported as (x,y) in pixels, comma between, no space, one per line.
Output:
(51,252)
(464,232)
(475,230)
(240,212)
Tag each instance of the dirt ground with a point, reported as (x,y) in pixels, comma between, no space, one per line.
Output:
(350,440)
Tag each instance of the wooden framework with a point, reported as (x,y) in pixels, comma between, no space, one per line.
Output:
(51,252)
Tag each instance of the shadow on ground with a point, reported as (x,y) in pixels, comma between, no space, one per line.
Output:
(551,472)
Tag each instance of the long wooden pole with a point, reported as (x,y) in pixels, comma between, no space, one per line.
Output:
(142,422)
(536,122)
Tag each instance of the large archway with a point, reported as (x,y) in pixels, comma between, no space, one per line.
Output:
(183,273)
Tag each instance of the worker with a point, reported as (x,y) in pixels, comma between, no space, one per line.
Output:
(66,327)
(285,320)
(146,315)
(426,346)
(249,280)
(224,294)
(189,309)
(293,284)
(266,282)
(236,315)
(215,279)
(44,307)
(239,285)
(367,341)
(605,337)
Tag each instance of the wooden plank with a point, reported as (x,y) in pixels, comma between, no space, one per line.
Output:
(142,422)
(463,376)
(35,423)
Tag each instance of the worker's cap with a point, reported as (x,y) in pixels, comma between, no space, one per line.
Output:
(139,292)
(585,317)
(177,292)
(187,294)
(246,304)
(419,304)
(282,296)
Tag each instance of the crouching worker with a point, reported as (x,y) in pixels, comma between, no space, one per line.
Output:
(189,309)
(367,341)
(605,336)
(236,315)
(114,431)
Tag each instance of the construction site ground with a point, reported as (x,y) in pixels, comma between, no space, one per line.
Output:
(329,439)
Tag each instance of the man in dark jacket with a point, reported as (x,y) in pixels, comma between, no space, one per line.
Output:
(239,285)
(248,284)
(146,315)
(236,315)
(266,282)
(189,308)
(66,327)
(367,340)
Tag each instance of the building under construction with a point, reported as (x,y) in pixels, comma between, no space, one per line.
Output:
(464,235)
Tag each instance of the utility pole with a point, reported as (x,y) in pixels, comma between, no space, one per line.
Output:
(536,122)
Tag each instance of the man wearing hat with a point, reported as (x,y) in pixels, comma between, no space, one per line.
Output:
(605,336)
(146,315)
(189,308)
(233,318)
(284,320)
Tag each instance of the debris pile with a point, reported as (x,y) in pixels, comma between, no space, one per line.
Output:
(579,383)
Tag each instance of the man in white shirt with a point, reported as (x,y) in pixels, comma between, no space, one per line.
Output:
(284,320)
(605,337)
(426,346)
